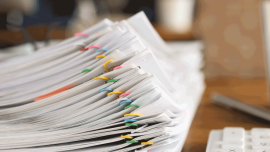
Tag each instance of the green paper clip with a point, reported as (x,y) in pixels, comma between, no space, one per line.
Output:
(132,105)
(112,80)
(131,124)
(132,141)
(85,70)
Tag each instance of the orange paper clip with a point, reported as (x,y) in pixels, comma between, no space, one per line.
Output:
(53,93)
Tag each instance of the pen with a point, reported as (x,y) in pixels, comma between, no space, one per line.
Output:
(236,104)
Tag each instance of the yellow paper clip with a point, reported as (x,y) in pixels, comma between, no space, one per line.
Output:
(133,114)
(100,56)
(127,137)
(105,78)
(114,92)
(147,143)
(105,65)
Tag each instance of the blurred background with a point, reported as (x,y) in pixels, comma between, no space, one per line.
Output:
(230,30)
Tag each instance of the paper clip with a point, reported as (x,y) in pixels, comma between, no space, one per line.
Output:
(126,101)
(118,67)
(105,65)
(100,56)
(94,46)
(55,92)
(132,141)
(147,143)
(85,70)
(90,47)
(106,89)
(114,92)
(83,49)
(132,105)
(131,124)
(81,34)
(133,114)
(105,50)
(105,78)
(112,80)
(124,94)
(130,120)
(127,137)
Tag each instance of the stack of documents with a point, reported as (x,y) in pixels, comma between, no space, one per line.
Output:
(113,87)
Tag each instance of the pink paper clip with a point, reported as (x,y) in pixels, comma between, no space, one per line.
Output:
(118,67)
(81,34)
(94,46)
(90,47)
(124,94)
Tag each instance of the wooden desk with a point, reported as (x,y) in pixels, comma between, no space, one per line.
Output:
(210,116)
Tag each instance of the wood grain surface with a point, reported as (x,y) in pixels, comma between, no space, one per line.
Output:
(211,116)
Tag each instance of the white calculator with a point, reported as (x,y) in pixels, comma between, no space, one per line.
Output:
(236,139)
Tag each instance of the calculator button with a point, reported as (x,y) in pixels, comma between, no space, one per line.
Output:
(233,134)
(261,145)
(229,150)
(232,144)
(260,131)
(261,138)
